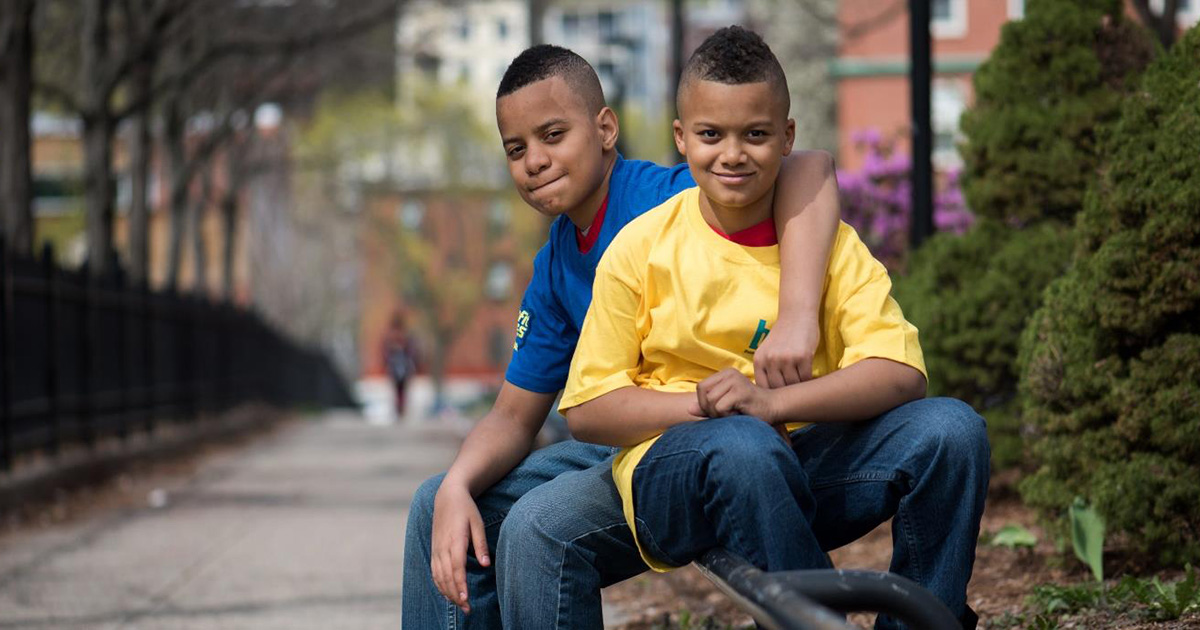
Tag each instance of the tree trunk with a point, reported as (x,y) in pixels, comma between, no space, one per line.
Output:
(199,245)
(98,193)
(229,212)
(97,137)
(16,180)
(139,158)
(176,155)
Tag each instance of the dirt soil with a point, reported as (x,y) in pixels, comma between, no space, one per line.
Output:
(999,585)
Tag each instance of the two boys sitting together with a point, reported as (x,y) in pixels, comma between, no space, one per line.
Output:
(702,430)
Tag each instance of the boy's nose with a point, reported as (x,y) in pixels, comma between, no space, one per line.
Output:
(732,153)
(536,161)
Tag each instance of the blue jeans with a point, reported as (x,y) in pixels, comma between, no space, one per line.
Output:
(424,608)
(733,482)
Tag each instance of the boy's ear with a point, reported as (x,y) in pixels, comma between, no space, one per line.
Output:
(609,128)
(789,136)
(677,127)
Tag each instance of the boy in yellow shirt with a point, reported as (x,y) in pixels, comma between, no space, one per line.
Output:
(682,299)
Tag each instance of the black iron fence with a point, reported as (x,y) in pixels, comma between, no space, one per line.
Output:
(83,359)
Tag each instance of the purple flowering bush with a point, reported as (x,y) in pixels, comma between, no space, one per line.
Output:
(877,200)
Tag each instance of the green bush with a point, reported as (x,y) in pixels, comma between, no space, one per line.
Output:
(1055,78)
(1111,361)
(970,296)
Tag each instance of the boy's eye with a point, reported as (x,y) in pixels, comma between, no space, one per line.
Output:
(756,134)
(709,134)
(554,135)
(515,151)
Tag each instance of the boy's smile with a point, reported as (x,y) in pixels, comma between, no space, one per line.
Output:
(734,138)
(559,155)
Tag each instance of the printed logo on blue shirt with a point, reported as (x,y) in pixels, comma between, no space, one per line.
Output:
(758,337)
(522,328)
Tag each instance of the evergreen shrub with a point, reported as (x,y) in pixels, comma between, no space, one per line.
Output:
(970,296)
(1055,79)
(1111,361)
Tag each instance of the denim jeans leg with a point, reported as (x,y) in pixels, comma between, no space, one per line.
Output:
(927,464)
(423,606)
(728,482)
(559,545)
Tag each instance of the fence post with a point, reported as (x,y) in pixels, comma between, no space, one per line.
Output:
(149,323)
(6,433)
(52,316)
(120,304)
(86,395)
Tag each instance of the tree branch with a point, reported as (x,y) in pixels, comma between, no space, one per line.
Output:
(286,47)
(57,93)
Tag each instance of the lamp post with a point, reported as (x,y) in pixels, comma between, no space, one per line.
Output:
(921,84)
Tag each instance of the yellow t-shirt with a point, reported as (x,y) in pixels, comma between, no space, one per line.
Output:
(674,302)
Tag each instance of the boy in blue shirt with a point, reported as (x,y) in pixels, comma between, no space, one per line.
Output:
(560,141)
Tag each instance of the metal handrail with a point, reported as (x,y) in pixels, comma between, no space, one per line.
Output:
(806,600)
(773,604)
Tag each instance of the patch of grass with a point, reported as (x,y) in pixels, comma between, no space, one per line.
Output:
(1164,601)
(1147,598)
(686,621)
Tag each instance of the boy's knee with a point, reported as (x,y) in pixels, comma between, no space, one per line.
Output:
(955,427)
(741,445)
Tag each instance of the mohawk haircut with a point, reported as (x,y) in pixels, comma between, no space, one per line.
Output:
(544,61)
(734,56)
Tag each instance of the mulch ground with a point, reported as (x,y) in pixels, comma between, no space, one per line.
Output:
(1001,581)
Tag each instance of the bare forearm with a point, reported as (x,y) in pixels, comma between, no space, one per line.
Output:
(628,416)
(491,450)
(500,440)
(859,392)
(807,213)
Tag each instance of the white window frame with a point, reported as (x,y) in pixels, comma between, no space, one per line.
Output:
(948,158)
(1016,9)
(955,27)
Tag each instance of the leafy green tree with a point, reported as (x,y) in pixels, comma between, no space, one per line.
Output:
(1055,79)
(1111,361)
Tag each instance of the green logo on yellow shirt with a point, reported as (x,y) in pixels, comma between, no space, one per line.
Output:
(759,335)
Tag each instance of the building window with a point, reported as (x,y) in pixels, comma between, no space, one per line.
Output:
(498,285)
(949,100)
(1016,9)
(570,25)
(499,216)
(464,29)
(411,214)
(948,18)
(608,26)
(502,29)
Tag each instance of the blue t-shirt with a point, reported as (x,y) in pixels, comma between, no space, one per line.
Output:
(558,296)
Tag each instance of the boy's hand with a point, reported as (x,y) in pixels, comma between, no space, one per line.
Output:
(729,392)
(785,357)
(456,522)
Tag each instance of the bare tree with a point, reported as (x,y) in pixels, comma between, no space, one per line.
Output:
(16,75)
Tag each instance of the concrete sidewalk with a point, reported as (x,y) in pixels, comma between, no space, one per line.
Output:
(302,529)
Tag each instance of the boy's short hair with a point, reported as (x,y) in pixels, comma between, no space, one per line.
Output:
(544,61)
(735,56)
